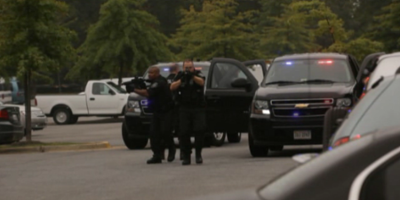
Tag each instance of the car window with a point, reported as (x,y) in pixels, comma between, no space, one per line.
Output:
(386,67)
(302,70)
(257,72)
(116,87)
(224,74)
(383,183)
(359,111)
(383,113)
(100,89)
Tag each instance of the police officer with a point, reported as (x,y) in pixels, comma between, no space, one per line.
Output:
(189,85)
(160,102)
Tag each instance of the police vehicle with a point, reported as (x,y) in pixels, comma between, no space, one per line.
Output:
(229,89)
(290,106)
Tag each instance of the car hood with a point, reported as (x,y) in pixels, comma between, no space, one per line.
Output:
(134,96)
(331,90)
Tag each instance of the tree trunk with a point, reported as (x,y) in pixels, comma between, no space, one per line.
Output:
(28,118)
(121,67)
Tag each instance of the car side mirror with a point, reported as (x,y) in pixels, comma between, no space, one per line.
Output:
(111,92)
(241,83)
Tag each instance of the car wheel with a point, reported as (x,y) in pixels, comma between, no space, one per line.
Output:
(218,138)
(73,119)
(234,137)
(330,125)
(62,116)
(133,143)
(256,151)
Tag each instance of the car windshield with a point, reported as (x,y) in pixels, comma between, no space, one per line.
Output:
(297,71)
(116,87)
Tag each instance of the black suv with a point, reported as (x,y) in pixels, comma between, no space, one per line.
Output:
(229,89)
(289,107)
(11,129)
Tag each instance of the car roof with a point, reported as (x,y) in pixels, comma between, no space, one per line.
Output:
(180,63)
(383,68)
(311,55)
(331,174)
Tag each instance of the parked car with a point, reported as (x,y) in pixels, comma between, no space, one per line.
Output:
(5,91)
(290,105)
(379,109)
(228,96)
(335,115)
(100,98)
(385,66)
(366,169)
(11,129)
(39,119)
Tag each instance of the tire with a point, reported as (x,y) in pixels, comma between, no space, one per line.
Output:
(73,119)
(276,148)
(62,116)
(133,143)
(234,137)
(257,151)
(218,138)
(330,125)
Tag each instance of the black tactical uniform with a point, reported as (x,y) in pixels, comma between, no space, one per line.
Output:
(192,117)
(160,103)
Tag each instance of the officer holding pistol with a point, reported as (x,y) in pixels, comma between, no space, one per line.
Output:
(161,103)
(189,86)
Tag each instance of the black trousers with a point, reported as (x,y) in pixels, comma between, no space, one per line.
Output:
(192,121)
(161,133)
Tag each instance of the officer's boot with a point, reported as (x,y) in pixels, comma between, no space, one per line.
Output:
(171,151)
(186,159)
(199,159)
(154,160)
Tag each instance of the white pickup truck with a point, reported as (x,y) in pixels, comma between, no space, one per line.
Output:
(100,98)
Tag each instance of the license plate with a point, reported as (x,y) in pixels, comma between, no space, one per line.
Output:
(302,135)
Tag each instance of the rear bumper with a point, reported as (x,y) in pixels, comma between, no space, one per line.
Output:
(39,123)
(10,133)
(274,131)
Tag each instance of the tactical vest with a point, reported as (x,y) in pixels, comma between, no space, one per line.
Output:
(191,94)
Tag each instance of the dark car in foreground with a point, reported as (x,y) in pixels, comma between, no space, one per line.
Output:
(289,107)
(366,169)
(11,129)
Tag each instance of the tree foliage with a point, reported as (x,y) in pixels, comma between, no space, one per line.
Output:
(387,27)
(124,39)
(216,31)
(32,37)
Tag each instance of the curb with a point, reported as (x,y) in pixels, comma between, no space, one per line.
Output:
(86,146)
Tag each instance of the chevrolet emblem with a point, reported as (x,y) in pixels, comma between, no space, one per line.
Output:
(301,105)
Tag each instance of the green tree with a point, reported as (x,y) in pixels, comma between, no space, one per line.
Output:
(216,31)
(304,26)
(387,27)
(124,40)
(359,47)
(33,40)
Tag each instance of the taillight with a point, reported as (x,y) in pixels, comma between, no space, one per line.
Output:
(362,95)
(4,114)
(341,141)
(356,137)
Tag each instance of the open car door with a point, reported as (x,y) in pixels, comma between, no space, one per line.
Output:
(229,91)
(367,67)
(258,68)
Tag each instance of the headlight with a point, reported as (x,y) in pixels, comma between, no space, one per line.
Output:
(345,102)
(132,106)
(261,107)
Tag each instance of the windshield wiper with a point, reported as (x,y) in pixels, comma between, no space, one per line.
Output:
(318,81)
(282,82)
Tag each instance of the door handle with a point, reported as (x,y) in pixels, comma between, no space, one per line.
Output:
(91,99)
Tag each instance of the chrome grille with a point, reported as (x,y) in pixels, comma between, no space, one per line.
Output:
(299,108)
(310,102)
